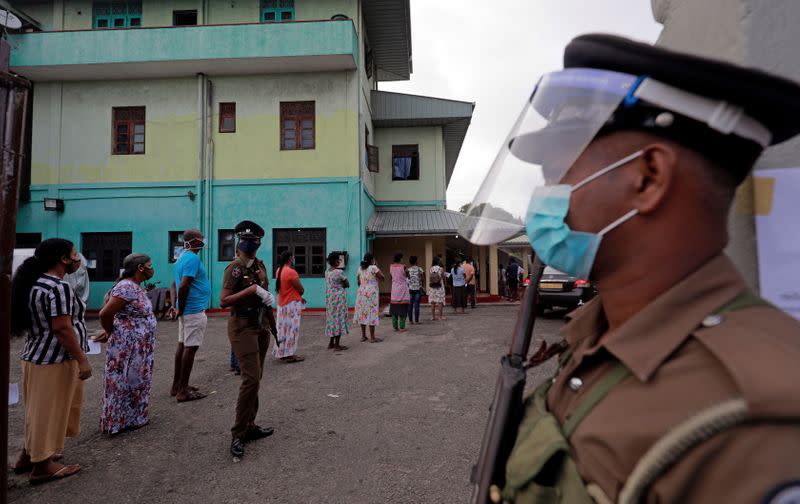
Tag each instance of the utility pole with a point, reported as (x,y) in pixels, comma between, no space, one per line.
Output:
(14,93)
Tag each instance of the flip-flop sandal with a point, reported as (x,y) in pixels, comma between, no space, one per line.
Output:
(62,473)
(339,348)
(364,338)
(193,396)
(376,340)
(296,358)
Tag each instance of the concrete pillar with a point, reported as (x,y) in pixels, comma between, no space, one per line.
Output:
(428,258)
(751,33)
(484,278)
(526,262)
(494,288)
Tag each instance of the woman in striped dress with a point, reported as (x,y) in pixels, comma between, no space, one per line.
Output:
(54,362)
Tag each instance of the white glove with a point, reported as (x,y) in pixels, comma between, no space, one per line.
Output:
(266,296)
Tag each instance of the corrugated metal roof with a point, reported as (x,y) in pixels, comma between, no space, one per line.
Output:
(397,110)
(389,33)
(519,240)
(414,221)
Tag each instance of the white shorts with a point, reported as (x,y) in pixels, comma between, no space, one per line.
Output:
(192,329)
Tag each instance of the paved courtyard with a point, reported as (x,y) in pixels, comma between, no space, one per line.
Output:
(398,421)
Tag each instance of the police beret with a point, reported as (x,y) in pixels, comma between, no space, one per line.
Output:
(248,229)
(771,104)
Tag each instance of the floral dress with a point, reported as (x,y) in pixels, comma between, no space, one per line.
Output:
(436,295)
(367,303)
(129,361)
(336,323)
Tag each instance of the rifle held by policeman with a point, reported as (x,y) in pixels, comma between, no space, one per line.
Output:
(488,475)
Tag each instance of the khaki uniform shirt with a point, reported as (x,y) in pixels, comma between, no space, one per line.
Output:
(683,361)
(238,277)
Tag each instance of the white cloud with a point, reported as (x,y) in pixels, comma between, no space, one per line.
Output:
(492,53)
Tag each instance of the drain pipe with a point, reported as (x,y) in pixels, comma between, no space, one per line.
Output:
(199,186)
(209,165)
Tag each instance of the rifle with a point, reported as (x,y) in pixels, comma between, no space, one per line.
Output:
(505,414)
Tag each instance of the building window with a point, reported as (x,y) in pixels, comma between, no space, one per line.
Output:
(297,125)
(405,162)
(227,245)
(372,158)
(27,240)
(227,117)
(175,245)
(368,59)
(104,253)
(128,128)
(308,247)
(116,15)
(277,11)
(184,18)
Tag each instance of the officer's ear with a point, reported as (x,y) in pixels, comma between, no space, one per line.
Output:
(655,175)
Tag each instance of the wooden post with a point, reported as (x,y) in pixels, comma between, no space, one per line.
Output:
(428,260)
(13,117)
(494,272)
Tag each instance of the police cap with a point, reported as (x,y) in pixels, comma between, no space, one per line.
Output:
(724,111)
(248,229)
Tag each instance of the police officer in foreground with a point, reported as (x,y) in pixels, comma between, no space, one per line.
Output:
(677,383)
(245,289)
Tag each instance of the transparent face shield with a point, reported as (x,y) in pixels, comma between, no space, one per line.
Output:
(566,111)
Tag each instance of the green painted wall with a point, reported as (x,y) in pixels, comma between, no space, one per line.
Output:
(191,43)
(151,211)
(431,185)
(82,112)
(253,151)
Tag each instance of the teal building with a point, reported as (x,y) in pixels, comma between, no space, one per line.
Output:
(150,117)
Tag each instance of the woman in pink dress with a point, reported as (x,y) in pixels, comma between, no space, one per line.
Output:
(401,298)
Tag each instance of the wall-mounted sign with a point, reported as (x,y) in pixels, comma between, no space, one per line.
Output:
(777,206)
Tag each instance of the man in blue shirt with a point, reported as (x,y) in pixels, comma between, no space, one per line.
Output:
(191,301)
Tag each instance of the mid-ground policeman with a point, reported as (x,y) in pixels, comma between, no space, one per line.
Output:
(245,290)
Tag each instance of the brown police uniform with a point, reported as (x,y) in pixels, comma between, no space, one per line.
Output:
(680,355)
(249,339)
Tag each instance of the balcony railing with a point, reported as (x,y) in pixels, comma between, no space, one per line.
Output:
(186,50)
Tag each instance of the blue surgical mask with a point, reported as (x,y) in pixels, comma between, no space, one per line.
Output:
(572,252)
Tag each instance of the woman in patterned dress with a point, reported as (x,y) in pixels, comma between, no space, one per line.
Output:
(367,311)
(130,324)
(336,323)
(436,295)
(401,298)
(290,309)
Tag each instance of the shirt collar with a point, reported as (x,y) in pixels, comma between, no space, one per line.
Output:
(648,338)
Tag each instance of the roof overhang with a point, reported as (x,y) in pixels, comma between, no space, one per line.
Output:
(414,221)
(397,110)
(389,33)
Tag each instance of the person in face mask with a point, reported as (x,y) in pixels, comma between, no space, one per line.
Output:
(130,326)
(245,290)
(46,311)
(677,382)
(191,290)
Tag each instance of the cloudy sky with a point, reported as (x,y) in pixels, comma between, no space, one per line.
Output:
(492,53)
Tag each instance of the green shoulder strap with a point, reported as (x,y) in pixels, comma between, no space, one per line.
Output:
(745,299)
(597,394)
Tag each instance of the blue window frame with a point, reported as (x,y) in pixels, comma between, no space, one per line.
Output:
(277,11)
(111,15)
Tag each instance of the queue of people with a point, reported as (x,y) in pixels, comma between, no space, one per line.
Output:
(54,362)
